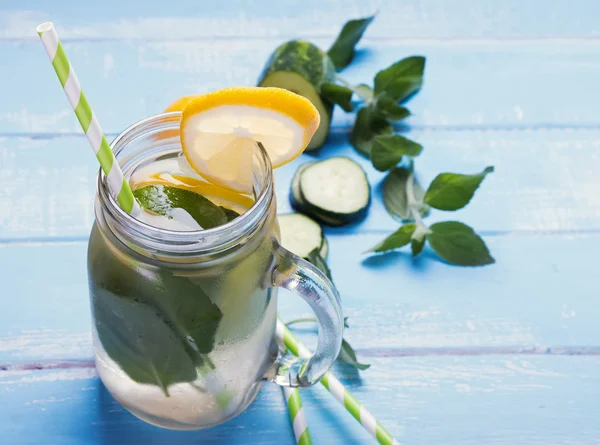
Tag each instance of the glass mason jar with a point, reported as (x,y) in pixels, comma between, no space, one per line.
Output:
(184,322)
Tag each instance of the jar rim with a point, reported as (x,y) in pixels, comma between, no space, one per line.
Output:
(156,239)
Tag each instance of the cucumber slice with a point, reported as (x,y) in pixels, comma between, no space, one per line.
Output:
(300,234)
(336,189)
(302,68)
(295,196)
(298,203)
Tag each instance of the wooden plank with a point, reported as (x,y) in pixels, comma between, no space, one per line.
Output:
(246,18)
(429,400)
(484,84)
(47,187)
(394,303)
(544,180)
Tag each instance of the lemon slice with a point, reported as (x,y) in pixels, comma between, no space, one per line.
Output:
(219,132)
(180,103)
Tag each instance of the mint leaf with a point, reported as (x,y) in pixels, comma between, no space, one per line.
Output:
(387,150)
(161,199)
(394,192)
(399,238)
(458,244)
(416,246)
(390,109)
(338,94)
(143,344)
(451,191)
(368,124)
(192,311)
(342,50)
(348,355)
(365,92)
(315,258)
(230,214)
(401,79)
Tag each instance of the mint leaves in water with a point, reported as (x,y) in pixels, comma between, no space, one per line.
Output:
(161,199)
(160,327)
(453,241)
(144,345)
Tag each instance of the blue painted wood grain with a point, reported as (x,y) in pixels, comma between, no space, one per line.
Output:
(427,400)
(485,84)
(544,181)
(406,19)
(394,303)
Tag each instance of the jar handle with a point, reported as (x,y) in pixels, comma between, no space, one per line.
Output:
(299,276)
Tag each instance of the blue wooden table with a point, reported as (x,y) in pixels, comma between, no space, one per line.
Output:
(504,354)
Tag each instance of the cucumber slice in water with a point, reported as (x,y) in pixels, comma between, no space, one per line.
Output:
(335,189)
(302,68)
(300,234)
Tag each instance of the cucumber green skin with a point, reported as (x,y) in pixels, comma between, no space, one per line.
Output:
(309,62)
(303,58)
(333,218)
(295,186)
(300,206)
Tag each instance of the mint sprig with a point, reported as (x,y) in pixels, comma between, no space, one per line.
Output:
(348,355)
(401,79)
(388,150)
(458,244)
(395,197)
(451,191)
(342,50)
(381,106)
(453,241)
(367,126)
(339,95)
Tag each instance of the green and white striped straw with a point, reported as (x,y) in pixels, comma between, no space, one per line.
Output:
(294,404)
(337,390)
(117,184)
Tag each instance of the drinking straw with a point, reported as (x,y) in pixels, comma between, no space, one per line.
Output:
(337,390)
(117,184)
(294,404)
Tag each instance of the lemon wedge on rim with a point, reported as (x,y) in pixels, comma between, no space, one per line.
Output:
(219,131)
